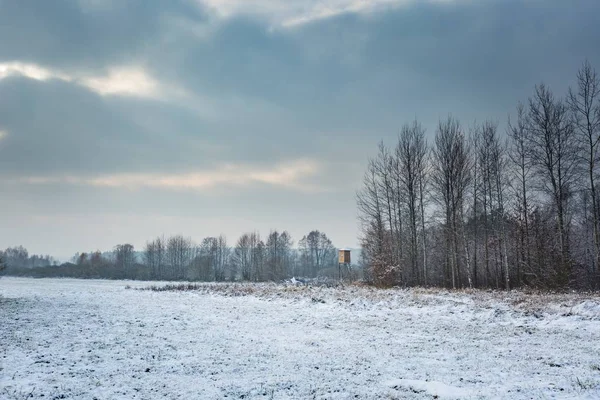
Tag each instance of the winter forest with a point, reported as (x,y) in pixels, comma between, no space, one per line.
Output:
(478,207)
(180,258)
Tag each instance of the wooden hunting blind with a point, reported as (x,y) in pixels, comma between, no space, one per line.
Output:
(344,256)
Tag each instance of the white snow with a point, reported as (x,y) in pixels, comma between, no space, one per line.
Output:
(86,339)
(436,389)
(590,309)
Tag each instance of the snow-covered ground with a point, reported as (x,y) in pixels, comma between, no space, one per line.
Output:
(83,339)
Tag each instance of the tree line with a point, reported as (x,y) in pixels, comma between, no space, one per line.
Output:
(19,257)
(179,258)
(476,208)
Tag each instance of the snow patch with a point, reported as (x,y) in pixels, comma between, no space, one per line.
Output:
(589,309)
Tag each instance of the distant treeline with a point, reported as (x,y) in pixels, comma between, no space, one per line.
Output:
(477,208)
(180,258)
(19,257)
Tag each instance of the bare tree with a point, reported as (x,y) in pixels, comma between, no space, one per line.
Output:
(377,252)
(317,252)
(222,259)
(179,253)
(155,257)
(555,153)
(475,143)
(125,259)
(451,177)
(397,236)
(278,254)
(242,257)
(384,164)
(213,259)
(496,175)
(584,103)
(411,151)
(423,169)
(258,257)
(369,206)
(16,257)
(520,155)
(486,170)
(206,259)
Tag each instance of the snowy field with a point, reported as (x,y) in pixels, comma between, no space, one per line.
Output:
(80,339)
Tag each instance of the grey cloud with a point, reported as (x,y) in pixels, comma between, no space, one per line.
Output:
(282,93)
(327,90)
(69,34)
(55,127)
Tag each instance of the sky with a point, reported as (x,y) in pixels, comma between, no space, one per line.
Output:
(124,120)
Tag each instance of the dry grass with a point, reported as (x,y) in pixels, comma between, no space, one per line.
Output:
(359,295)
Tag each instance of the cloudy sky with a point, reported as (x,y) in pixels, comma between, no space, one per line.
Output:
(121,120)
